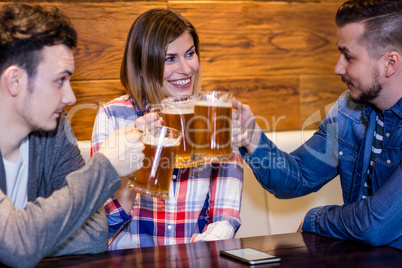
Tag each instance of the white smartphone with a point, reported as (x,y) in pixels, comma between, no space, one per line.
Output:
(250,255)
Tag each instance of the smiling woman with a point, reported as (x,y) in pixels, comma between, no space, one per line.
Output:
(161,60)
(162,49)
(181,66)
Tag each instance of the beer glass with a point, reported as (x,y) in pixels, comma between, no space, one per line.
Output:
(161,146)
(178,113)
(213,126)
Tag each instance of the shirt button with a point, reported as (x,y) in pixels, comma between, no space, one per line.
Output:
(170,227)
(340,153)
(387,135)
(174,177)
(388,161)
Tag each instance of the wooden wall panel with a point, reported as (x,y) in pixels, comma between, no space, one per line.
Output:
(263,38)
(277,56)
(102,31)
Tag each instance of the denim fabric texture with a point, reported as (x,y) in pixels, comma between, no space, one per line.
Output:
(342,145)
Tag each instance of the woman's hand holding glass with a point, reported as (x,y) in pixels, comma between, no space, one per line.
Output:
(150,119)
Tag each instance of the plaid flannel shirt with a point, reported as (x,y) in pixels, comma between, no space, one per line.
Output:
(204,201)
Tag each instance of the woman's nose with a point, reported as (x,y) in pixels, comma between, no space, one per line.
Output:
(185,67)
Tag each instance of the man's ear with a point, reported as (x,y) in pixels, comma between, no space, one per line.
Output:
(392,63)
(14,79)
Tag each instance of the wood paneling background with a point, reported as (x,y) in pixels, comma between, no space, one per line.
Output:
(277,56)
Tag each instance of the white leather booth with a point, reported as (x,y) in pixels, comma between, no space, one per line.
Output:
(261,212)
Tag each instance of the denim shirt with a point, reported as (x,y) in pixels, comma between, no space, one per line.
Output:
(342,145)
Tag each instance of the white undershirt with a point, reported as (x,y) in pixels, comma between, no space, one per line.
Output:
(17,176)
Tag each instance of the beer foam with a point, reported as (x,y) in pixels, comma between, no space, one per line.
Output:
(187,110)
(167,142)
(217,103)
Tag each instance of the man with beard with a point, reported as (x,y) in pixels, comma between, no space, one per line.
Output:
(360,138)
(50,202)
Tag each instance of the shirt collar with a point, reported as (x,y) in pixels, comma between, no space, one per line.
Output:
(395,109)
(140,112)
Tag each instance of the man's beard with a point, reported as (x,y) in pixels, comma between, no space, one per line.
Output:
(367,95)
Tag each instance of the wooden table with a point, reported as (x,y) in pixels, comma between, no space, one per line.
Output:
(295,249)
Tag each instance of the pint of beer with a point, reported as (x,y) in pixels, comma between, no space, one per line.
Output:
(178,113)
(213,126)
(161,146)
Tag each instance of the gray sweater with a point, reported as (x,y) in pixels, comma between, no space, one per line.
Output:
(64,214)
